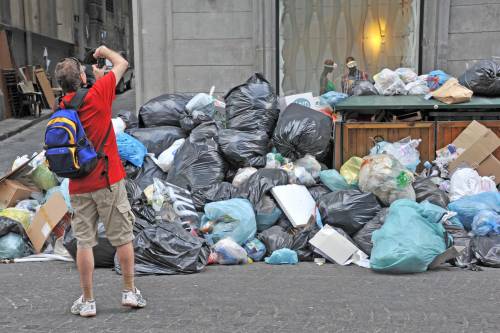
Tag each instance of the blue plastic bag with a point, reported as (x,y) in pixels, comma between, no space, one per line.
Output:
(333,180)
(486,223)
(332,98)
(436,79)
(410,239)
(234,218)
(282,257)
(131,149)
(469,206)
(13,246)
(255,249)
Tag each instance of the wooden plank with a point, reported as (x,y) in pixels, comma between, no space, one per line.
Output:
(5,63)
(337,145)
(46,87)
(357,137)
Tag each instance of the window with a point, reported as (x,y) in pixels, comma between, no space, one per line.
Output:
(377,33)
(110,6)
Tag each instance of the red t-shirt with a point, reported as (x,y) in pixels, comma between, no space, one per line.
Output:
(95,116)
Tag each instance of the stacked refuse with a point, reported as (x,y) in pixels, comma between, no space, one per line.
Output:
(239,181)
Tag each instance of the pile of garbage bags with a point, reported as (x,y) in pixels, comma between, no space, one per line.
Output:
(213,181)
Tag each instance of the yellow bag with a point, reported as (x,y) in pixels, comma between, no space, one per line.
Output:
(350,170)
(22,216)
(44,178)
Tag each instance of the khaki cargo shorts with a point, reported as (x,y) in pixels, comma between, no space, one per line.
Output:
(110,208)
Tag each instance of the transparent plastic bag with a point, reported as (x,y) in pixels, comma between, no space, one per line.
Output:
(228,252)
(350,170)
(406,74)
(311,165)
(255,249)
(464,182)
(405,151)
(118,125)
(388,83)
(30,205)
(13,246)
(387,178)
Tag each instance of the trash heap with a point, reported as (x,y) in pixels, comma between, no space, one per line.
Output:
(239,181)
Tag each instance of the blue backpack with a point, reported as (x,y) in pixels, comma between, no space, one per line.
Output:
(68,151)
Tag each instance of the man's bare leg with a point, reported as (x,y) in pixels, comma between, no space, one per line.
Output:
(85,263)
(126,257)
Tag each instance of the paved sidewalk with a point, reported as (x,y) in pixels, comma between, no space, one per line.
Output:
(12,126)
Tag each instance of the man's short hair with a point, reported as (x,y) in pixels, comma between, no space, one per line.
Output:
(349,59)
(68,74)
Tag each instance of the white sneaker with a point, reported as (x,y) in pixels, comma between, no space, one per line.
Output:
(133,299)
(84,309)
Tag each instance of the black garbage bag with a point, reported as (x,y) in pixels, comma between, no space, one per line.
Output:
(275,238)
(302,131)
(267,213)
(177,206)
(157,139)
(252,106)
(144,212)
(134,192)
(129,117)
(166,248)
(206,132)
(104,252)
(318,191)
(363,88)
(216,192)
(483,78)
(425,189)
(197,165)
(148,172)
(243,149)
(348,209)
(462,238)
(363,238)
(131,170)
(8,225)
(140,225)
(261,182)
(301,239)
(164,110)
(486,249)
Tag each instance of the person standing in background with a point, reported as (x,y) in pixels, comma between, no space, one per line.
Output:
(353,74)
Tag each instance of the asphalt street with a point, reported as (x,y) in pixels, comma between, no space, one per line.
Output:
(256,298)
(36,297)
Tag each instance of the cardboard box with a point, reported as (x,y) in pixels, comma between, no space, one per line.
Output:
(296,202)
(479,143)
(12,191)
(47,217)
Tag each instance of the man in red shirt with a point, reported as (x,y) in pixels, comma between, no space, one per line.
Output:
(94,199)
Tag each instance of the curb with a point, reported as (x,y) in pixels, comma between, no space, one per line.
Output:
(24,127)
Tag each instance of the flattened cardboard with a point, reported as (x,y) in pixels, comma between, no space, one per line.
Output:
(47,217)
(490,167)
(12,191)
(296,202)
(470,135)
(483,146)
(333,246)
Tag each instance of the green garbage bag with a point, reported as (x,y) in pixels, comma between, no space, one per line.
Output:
(44,178)
(410,239)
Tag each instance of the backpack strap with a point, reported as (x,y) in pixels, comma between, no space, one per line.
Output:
(77,101)
(100,154)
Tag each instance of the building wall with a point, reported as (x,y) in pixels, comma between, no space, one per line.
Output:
(191,45)
(458,33)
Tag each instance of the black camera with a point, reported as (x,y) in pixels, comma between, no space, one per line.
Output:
(101,62)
